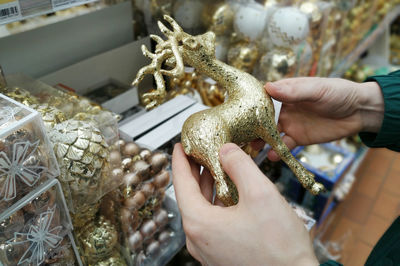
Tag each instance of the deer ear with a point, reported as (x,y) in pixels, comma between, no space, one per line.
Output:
(190,43)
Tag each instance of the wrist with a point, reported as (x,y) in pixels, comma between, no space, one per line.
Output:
(371,106)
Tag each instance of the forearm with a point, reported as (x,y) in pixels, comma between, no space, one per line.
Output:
(371,106)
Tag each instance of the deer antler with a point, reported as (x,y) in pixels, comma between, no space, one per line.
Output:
(164,50)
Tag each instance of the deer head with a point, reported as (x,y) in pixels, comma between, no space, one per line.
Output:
(178,47)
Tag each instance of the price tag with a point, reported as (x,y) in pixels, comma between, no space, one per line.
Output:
(61,4)
(9,11)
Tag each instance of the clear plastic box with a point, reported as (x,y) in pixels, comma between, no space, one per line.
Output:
(37,230)
(27,159)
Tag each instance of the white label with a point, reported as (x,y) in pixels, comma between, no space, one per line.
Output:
(9,12)
(62,4)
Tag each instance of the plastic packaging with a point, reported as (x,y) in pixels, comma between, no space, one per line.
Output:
(26,157)
(37,230)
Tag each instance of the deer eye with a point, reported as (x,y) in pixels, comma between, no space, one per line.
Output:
(191,43)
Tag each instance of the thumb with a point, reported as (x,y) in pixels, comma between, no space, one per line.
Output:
(295,90)
(242,170)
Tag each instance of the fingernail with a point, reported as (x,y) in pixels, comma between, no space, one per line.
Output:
(273,85)
(228,148)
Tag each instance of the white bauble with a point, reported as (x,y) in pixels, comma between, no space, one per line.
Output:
(250,21)
(288,26)
(221,48)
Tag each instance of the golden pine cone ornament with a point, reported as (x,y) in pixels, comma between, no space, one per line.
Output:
(50,115)
(82,154)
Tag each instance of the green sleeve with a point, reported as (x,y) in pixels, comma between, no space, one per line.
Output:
(389,134)
(387,251)
(331,263)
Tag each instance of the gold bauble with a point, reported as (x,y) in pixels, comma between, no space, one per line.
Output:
(218,18)
(50,115)
(114,260)
(97,239)
(277,64)
(243,56)
(20,95)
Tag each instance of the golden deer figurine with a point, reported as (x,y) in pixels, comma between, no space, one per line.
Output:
(247,114)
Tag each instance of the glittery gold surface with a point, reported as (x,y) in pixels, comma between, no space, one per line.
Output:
(246,115)
(97,240)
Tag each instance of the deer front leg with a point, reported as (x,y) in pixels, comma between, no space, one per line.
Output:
(270,135)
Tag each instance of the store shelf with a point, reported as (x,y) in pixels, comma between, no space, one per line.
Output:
(366,43)
(15,10)
(39,21)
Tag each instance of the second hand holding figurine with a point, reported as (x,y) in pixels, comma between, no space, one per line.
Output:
(262,229)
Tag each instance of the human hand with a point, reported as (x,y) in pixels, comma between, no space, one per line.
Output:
(317,110)
(262,229)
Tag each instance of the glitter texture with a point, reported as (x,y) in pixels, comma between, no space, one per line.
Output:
(246,115)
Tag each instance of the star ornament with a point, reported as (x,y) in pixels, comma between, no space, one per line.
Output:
(41,238)
(19,166)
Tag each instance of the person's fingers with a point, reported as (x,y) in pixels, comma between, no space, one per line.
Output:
(207,184)
(289,141)
(191,248)
(294,90)
(195,169)
(187,189)
(241,169)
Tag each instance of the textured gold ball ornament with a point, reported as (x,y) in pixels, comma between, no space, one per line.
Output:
(50,115)
(98,239)
(243,56)
(278,64)
(247,114)
(114,260)
(82,154)
(20,95)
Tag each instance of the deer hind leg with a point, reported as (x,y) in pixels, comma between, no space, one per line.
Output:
(270,135)
(225,188)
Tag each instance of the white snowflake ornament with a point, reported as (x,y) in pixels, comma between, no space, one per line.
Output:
(22,165)
(41,238)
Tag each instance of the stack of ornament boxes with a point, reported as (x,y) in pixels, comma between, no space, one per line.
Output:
(35,226)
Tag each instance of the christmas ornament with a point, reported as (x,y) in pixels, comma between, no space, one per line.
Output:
(12,224)
(114,260)
(287,27)
(41,236)
(97,240)
(22,167)
(246,115)
(250,21)
(50,115)
(218,18)
(277,64)
(243,56)
(83,155)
